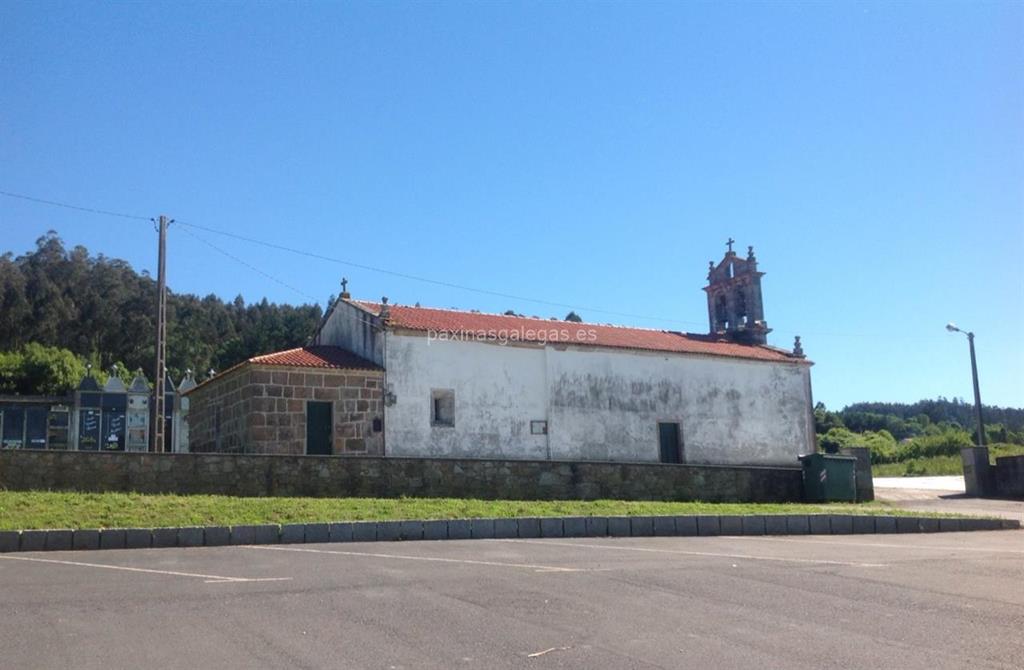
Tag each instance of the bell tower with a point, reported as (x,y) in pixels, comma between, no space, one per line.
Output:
(735,309)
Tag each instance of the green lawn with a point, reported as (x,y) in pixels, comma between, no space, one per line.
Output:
(46,509)
(938,465)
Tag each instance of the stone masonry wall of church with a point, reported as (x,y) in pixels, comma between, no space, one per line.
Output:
(262,410)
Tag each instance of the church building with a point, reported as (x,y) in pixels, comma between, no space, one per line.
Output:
(409,381)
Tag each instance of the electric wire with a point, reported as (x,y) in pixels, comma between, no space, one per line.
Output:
(79,208)
(348,263)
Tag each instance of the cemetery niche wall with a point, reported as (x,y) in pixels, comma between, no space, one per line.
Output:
(112,417)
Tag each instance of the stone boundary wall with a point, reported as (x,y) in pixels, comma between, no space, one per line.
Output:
(366,476)
(507,528)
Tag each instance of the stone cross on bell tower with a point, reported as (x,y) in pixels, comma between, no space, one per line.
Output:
(735,308)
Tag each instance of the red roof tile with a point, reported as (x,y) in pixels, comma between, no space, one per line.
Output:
(529,329)
(316,357)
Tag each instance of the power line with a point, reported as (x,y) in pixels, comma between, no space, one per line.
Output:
(427,280)
(248,265)
(269,276)
(393,273)
(339,261)
(65,205)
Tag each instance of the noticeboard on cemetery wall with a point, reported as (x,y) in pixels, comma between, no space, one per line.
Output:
(89,429)
(113,430)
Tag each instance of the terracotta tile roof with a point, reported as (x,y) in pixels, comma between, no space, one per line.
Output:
(532,329)
(316,357)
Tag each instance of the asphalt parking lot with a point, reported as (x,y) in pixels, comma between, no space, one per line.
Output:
(948,600)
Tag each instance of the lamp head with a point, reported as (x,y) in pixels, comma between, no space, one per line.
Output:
(951,327)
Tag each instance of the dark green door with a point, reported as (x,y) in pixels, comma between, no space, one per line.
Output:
(318,428)
(669,443)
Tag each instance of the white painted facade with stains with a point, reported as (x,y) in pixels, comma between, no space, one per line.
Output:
(599,404)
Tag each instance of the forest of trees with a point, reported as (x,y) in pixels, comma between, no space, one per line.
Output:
(897,432)
(55,300)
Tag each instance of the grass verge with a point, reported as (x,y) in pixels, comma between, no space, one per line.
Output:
(938,465)
(22,510)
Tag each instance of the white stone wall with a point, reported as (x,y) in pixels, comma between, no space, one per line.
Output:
(498,391)
(607,405)
(353,329)
(600,404)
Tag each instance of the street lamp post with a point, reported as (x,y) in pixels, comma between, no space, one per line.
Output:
(951,327)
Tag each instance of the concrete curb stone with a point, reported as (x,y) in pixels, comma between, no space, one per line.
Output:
(820,524)
(863,524)
(597,526)
(842,524)
(293,533)
(885,524)
(410,530)
(686,526)
(85,539)
(529,527)
(730,524)
(618,526)
(113,538)
(243,535)
(138,538)
(797,524)
(339,532)
(708,525)
(775,524)
(317,533)
(482,529)
(574,526)
(435,530)
(216,536)
(267,534)
(506,528)
(908,524)
(551,527)
(991,524)
(165,537)
(190,537)
(641,526)
(459,529)
(389,530)
(754,525)
(59,539)
(665,526)
(33,540)
(10,540)
(971,524)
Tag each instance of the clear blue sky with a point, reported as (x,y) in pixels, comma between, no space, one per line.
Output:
(594,154)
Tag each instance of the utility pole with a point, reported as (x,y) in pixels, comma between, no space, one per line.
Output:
(161,340)
(977,393)
(952,327)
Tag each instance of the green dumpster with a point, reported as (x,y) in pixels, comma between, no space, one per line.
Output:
(829,478)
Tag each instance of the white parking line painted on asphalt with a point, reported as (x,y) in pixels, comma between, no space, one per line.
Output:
(210,579)
(434,559)
(885,545)
(709,554)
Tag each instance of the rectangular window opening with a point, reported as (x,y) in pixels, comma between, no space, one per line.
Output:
(442,407)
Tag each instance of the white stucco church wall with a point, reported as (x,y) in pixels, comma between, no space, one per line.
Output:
(606,405)
(598,405)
